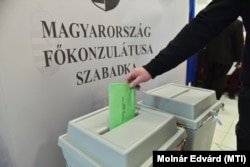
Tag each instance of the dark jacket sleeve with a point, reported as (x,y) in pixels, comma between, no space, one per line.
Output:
(238,41)
(194,36)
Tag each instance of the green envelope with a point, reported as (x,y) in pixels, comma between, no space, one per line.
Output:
(121,104)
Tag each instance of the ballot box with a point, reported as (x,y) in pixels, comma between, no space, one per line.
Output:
(195,109)
(89,142)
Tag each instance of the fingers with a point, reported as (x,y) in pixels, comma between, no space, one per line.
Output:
(135,83)
(239,65)
(132,79)
(137,76)
(137,87)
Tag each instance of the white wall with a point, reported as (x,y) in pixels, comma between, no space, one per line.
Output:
(37,99)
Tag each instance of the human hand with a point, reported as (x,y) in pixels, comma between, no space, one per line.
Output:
(137,76)
(238,65)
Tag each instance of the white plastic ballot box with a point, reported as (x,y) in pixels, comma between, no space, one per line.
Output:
(88,141)
(195,109)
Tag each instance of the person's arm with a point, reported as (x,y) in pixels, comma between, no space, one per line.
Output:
(238,41)
(195,35)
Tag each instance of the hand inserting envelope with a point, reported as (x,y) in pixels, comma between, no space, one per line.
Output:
(121,104)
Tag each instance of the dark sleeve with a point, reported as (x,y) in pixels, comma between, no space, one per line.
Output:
(238,41)
(194,36)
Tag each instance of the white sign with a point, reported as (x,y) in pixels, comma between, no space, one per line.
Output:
(58,57)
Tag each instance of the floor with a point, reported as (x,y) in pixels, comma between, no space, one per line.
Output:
(224,135)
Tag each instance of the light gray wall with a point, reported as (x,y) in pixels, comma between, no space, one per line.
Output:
(36,102)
